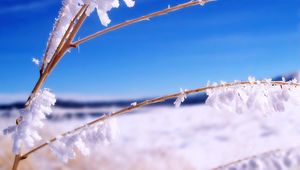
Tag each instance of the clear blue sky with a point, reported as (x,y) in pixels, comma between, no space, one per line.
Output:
(225,40)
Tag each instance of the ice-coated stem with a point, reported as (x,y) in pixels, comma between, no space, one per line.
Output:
(157,100)
(139,19)
(60,51)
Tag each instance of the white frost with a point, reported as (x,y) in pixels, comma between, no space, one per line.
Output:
(256,97)
(133,104)
(85,140)
(68,12)
(284,160)
(103,7)
(36,61)
(181,98)
(26,132)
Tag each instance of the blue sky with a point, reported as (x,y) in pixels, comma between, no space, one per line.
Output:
(225,40)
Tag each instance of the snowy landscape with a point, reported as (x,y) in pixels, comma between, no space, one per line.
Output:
(190,137)
(194,136)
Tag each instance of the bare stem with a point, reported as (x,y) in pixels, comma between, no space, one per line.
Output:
(139,19)
(149,102)
(16,162)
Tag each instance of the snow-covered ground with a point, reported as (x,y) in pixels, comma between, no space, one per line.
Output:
(191,137)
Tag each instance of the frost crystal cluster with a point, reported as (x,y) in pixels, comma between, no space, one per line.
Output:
(283,160)
(181,98)
(26,132)
(68,12)
(103,6)
(85,140)
(257,96)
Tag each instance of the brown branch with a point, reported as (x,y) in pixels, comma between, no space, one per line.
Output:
(16,162)
(61,49)
(68,32)
(153,101)
(79,13)
(67,44)
(139,19)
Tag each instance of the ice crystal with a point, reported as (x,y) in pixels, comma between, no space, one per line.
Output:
(31,119)
(180,99)
(283,160)
(103,6)
(258,96)
(67,13)
(203,2)
(84,140)
(36,61)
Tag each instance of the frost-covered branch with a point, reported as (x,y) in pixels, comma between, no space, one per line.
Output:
(26,132)
(64,25)
(291,85)
(180,99)
(262,97)
(60,40)
(139,19)
(275,159)
(85,140)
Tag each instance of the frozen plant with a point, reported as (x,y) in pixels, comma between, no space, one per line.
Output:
(67,13)
(180,99)
(85,140)
(26,131)
(278,159)
(257,96)
(103,129)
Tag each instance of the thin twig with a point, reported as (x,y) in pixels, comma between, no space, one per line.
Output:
(68,33)
(139,19)
(16,162)
(153,101)
(67,44)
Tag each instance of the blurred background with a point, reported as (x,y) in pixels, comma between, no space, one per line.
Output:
(224,40)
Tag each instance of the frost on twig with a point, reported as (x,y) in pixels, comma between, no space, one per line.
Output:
(133,104)
(181,98)
(66,15)
(103,6)
(258,96)
(26,132)
(85,140)
(203,2)
(68,11)
(278,159)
